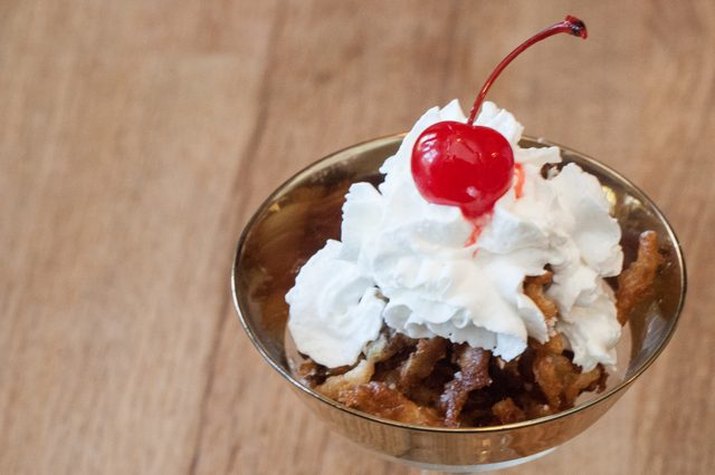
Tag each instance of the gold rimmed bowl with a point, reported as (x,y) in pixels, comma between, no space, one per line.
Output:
(295,221)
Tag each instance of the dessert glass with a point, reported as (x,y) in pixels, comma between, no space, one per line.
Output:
(296,219)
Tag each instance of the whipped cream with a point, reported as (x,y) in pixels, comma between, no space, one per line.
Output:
(407,262)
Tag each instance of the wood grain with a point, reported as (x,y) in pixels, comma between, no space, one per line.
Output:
(137,137)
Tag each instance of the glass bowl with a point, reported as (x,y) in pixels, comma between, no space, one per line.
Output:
(294,222)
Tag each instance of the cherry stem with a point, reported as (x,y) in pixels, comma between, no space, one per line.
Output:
(570,25)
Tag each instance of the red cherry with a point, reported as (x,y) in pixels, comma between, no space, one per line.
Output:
(472,166)
(462,165)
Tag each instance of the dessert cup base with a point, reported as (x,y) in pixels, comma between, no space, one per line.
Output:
(301,214)
(481,468)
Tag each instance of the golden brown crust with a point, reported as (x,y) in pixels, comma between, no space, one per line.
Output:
(555,345)
(473,374)
(534,287)
(561,381)
(380,400)
(636,282)
(421,362)
(507,412)
(360,374)
(453,385)
(396,343)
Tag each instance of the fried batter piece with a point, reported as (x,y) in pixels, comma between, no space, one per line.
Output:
(314,374)
(473,374)
(380,400)
(360,374)
(437,383)
(635,283)
(506,412)
(561,381)
(421,362)
(382,349)
(555,345)
(396,343)
(534,287)
(311,373)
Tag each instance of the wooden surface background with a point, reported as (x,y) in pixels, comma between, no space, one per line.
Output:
(137,137)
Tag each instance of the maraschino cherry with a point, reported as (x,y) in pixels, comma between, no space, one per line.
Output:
(468,165)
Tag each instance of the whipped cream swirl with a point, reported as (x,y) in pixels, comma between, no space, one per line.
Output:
(411,264)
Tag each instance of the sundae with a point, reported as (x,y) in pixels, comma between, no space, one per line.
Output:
(481,283)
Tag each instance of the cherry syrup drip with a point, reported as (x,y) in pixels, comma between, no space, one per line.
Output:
(519,183)
(472,166)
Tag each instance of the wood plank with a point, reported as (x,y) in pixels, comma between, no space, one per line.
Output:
(118,169)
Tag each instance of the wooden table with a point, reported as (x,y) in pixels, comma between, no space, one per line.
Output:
(137,137)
